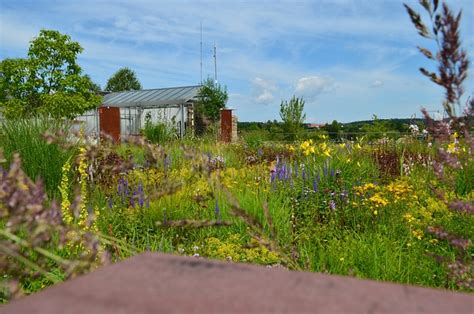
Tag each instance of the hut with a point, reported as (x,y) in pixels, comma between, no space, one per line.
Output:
(125,113)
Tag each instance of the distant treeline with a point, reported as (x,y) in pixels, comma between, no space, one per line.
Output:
(376,128)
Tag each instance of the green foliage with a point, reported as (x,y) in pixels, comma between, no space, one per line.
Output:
(293,116)
(158,133)
(379,129)
(123,80)
(40,159)
(48,82)
(212,98)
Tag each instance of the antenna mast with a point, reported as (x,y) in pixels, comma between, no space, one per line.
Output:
(215,64)
(201,52)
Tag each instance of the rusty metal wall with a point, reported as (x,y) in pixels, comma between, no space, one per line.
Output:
(226,125)
(109,121)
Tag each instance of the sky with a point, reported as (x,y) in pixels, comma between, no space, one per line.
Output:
(348,59)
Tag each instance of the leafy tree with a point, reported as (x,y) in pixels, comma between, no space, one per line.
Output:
(334,129)
(48,82)
(123,80)
(293,117)
(94,87)
(212,98)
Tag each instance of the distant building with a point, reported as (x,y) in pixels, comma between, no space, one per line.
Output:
(314,125)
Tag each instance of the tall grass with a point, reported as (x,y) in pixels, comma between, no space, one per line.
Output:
(159,133)
(40,159)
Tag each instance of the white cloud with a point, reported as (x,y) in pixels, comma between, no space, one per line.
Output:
(376,83)
(312,86)
(263,90)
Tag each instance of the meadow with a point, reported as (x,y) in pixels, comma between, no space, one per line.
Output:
(378,210)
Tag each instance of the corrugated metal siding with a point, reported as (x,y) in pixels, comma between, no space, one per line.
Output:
(152,97)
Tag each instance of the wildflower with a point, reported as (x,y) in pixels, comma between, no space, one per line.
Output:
(375,212)
(332,205)
(315,185)
(110,202)
(417,234)
(64,187)
(378,200)
(217,211)
(195,248)
(409,218)
(452,149)
(164,217)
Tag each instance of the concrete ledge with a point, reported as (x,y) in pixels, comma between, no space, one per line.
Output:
(159,283)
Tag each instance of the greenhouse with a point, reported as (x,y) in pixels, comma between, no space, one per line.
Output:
(125,113)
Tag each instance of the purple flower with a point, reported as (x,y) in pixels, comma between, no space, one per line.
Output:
(332,205)
(315,185)
(325,169)
(132,199)
(167,162)
(110,202)
(272,176)
(217,211)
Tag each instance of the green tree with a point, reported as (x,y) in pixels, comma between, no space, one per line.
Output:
(212,98)
(291,112)
(334,129)
(123,80)
(94,87)
(48,81)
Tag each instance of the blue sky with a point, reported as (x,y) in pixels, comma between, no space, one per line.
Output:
(349,59)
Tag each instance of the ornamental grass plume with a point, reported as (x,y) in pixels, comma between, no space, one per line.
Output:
(452,69)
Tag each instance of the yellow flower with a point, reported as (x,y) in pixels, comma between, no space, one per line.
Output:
(417,234)
(64,191)
(291,148)
(378,200)
(375,212)
(408,217)
(451,148)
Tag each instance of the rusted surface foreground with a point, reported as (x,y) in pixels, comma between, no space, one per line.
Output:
(159,283)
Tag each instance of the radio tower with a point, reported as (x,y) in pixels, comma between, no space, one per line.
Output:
(201,52)
(215,64)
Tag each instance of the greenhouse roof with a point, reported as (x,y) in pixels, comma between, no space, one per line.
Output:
(152,98)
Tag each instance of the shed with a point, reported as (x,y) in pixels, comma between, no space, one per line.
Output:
(125,113)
